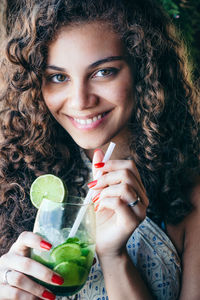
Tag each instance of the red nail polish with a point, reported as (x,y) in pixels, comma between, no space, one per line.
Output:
(96,150)
(48,295)
(92,183)
(45,245)
(96,207)
(99,165)
(57,279)
(96,198)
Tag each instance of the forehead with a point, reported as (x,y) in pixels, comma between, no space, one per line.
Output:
(90,42)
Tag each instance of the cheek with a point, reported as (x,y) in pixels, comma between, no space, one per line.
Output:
(122,95)
(54,101)
(127,94)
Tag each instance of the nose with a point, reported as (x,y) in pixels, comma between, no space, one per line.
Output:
(82,97)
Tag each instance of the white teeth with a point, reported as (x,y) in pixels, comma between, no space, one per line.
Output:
(88,121)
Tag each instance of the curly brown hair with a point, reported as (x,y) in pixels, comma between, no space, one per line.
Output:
(165,140)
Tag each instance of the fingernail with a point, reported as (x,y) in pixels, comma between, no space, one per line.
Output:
(48,295)
(92,183)
(45,245)
(57,279)
(99,165)
(96,150)
(96,198)
(96,207)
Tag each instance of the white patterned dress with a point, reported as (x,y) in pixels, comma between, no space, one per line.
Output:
(155,257)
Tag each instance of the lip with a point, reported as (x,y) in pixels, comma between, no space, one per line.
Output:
(89,122)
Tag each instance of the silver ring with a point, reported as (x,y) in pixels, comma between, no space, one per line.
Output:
(5,276)
(134,203)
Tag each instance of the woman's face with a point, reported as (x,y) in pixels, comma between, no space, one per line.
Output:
(88,84)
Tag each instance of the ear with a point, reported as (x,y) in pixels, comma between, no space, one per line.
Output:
(97,157)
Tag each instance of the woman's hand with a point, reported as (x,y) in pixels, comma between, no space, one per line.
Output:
(119,186)
(16,265)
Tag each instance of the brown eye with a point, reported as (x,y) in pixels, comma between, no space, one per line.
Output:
(106,72)
(58,78)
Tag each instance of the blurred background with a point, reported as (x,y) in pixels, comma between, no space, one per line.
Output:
(185,14)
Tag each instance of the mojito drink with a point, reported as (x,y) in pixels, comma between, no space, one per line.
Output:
(72,260)
(71,257)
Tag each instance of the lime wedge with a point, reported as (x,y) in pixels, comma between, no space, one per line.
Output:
(66,252)
(47,186)
(82,261)
(73,274)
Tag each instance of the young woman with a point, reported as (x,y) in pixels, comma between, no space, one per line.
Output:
(75,76)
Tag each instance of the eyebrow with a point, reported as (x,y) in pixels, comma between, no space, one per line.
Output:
(105,60)
(93,65)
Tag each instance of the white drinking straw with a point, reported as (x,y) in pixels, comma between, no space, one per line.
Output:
(89,196)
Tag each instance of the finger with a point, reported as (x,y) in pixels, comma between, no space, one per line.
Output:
(27,240)
(124,177)
(8,292)
(126,192)
(126,217)
(114,165)
(138,210)
(31,267)
(115,177)
(21,281)
(97,157)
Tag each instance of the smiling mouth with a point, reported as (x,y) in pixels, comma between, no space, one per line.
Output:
(90,120)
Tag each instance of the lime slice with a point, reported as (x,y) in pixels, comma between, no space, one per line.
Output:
(82,261)
(66,252)
(47,186)
(73,274)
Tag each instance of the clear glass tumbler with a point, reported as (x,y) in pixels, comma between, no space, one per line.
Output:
(71,257)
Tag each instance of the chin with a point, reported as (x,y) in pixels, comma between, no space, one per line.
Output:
(90,145)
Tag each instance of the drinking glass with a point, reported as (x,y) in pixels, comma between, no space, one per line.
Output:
(71,257)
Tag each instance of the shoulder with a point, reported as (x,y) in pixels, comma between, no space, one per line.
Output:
(191,246)
(184,233)
(186,238)
(192,221)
